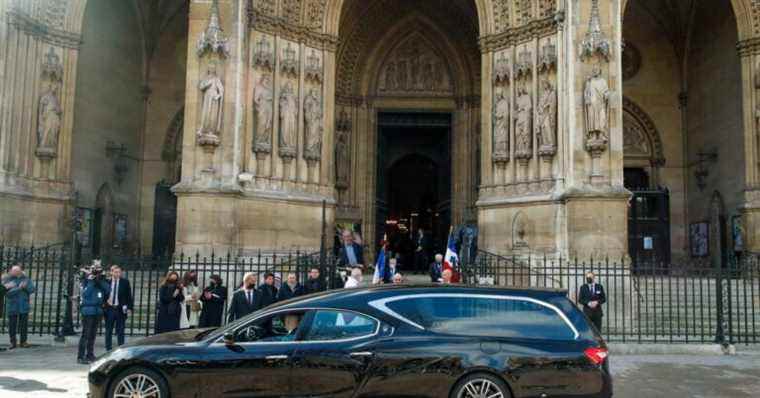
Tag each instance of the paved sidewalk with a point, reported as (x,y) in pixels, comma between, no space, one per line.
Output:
(52,372)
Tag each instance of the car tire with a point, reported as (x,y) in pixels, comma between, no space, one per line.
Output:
(479,385)
(142,380)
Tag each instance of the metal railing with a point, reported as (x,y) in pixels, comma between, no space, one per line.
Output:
(646,302)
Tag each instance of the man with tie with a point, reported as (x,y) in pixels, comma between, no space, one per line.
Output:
(351,254)
(436,269)
(591,297)
(246,300)
(118,306)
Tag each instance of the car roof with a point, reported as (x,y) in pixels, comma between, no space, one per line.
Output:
(359,297)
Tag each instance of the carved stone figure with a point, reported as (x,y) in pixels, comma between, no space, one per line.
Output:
(547,119)
(523,124)
(48,122)
(263,102)
(342,151)
(313,125)
(390,76)
(501,128)
(401,75)
(596,103)
(288,122)
(212,90)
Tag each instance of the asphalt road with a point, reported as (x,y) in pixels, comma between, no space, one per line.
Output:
(51,372)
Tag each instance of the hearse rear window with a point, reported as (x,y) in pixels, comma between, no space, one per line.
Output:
(481,316)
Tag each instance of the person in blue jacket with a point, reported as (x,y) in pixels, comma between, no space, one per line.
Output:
(18,287)
(95,292)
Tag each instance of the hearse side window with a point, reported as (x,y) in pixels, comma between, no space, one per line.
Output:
(484,316)
(337,325)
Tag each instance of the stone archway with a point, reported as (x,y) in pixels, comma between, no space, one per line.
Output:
(642,145)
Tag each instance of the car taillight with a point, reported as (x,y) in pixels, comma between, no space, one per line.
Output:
(596,355)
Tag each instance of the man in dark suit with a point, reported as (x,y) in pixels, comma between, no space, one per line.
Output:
(246,300)
(267,291)
(591,297)
(436,269)
(421,250)
(315,283)
(351,254)
(118,306)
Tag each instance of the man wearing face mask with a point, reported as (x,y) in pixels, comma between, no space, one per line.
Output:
(213,298)
(591,297)
(246,300)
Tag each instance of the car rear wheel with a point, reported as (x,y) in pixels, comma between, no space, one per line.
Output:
(139,383)
(481,385)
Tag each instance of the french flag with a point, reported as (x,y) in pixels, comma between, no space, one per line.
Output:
(451,259)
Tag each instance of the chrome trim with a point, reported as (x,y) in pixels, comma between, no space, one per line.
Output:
(220,340)
(275,357)
(361,354)
(381,305)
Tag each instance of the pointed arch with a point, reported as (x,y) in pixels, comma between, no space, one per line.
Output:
(641,138)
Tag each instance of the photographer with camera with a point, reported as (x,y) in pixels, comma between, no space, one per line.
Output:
(95,292)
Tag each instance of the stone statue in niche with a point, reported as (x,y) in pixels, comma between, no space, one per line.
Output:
(523,124)
(428,77)
(596,103)
(48,122)
(263,102)
(401,82)
(390,76)
(288,121)
(501,128)
(342,151)
(313,125)
(547,119)
(212,91)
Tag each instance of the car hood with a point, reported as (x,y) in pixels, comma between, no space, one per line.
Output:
(180,336)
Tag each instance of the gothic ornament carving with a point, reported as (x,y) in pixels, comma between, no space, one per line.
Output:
(501,119)
(501,70)
(212,95)
(636,122)
(263,56)
(288,122)
(342,150)
(52,69)
(49,113)
(595,42)
(547,120)
(596,105)
(313,68)
(212,39)
(523,125)
(524,65)
(631,60)
(414,68)
(548,58)
(313,126)
(502,15)
(263,105)
(288,61)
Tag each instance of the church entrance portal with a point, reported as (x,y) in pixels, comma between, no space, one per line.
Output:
(413,181)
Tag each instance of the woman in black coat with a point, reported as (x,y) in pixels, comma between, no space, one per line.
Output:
(290,288)
(170,303)
(213,299)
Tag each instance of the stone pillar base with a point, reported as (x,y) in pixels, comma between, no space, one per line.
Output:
(245,223)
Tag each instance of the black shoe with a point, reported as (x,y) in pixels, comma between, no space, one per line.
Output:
(90,359)
(12,346)
(83,361)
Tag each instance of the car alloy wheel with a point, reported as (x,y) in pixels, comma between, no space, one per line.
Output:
(137,385)
(481,386)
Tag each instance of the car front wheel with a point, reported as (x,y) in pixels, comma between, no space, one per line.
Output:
(139,382)
(481,385)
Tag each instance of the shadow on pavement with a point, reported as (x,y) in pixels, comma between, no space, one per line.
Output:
(14,384)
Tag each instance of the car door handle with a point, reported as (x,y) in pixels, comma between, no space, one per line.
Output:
(276,357)
(361,354)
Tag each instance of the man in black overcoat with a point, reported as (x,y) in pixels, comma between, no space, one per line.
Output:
(591,297)
(246,300)
(214,296)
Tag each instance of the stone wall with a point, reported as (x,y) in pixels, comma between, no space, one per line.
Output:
(109,107)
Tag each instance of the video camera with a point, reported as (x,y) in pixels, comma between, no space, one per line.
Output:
(94,271)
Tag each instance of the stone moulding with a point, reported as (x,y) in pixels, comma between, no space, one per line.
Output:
(33,27)
(275,26)
(510,37)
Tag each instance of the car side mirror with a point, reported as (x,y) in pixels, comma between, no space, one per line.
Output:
(229,338)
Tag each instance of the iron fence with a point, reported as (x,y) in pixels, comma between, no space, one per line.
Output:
(669,303)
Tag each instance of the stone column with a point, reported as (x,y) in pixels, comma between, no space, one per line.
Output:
(749,51)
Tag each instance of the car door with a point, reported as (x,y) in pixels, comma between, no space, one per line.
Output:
(334,355)
(253,366)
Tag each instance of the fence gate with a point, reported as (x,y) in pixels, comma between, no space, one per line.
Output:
(649,227)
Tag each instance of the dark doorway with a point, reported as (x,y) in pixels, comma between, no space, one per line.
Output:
(413,181)
(164,220)
(648,220)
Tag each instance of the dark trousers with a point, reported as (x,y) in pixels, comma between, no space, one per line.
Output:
(596,319)
(115,318)
(420,260)
(87,341)
(17,324)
